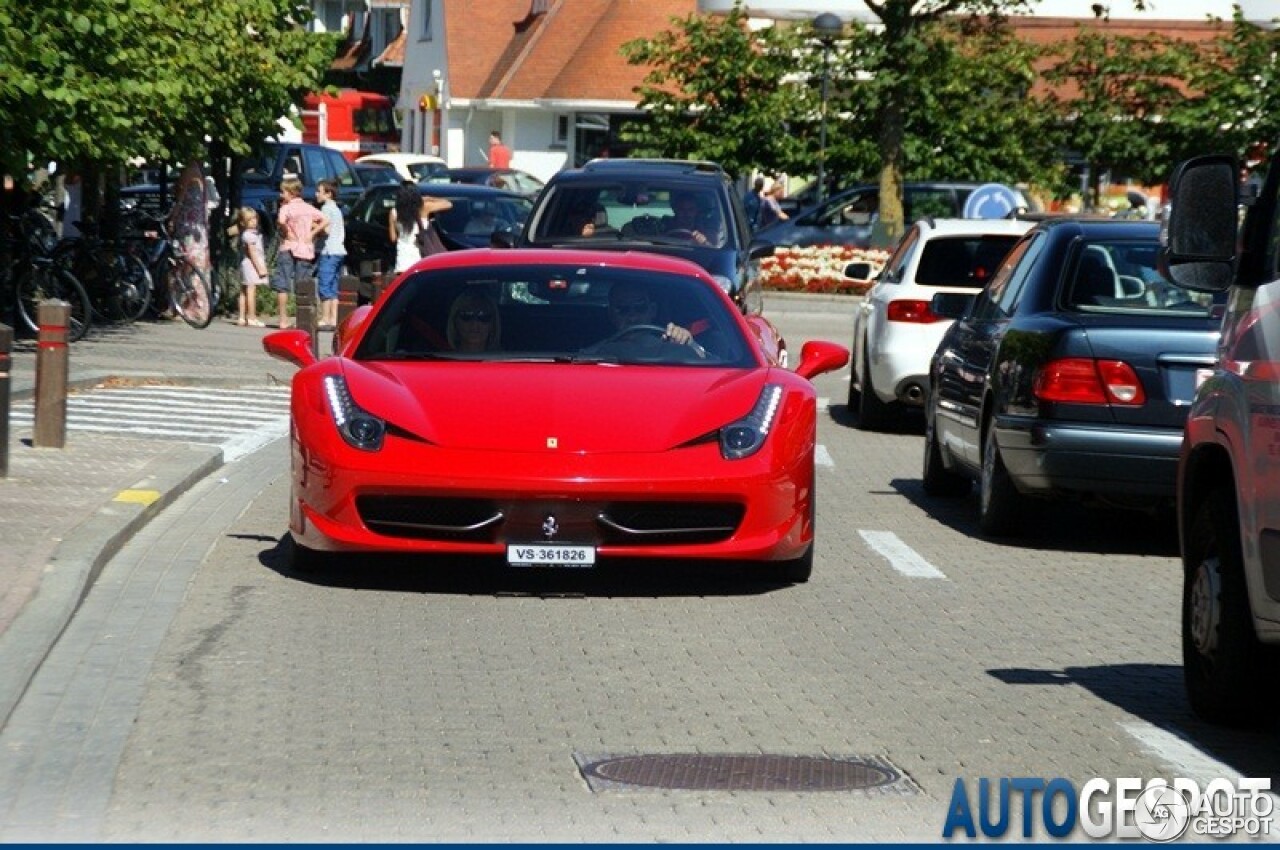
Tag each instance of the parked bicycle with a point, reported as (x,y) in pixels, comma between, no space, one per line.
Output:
(114,273)
(186,286)
(32,274)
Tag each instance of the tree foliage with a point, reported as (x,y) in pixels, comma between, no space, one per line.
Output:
(714,92)
(101,81)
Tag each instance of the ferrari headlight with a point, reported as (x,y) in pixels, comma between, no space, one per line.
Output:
(359,428)
(745,437)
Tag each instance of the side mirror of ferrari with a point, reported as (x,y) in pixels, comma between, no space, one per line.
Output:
(817,357)
(292,346)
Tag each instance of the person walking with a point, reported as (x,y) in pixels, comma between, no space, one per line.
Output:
(405,226)
(499,154)
(253,267)
(300,224)
(770,206)
(332,254)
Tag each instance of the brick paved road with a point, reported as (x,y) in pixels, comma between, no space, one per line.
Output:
(390,702)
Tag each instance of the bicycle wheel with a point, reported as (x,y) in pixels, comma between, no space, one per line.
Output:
(40,284)
(190,295)
(134,288)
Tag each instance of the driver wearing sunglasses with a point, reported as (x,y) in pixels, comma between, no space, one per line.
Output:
(473,323)
(631,306)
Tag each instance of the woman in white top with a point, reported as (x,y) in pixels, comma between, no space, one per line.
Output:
(414,209)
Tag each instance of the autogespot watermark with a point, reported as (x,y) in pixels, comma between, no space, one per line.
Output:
(1127,807)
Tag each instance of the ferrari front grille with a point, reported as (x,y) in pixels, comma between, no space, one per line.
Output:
(652,523)
(429,517)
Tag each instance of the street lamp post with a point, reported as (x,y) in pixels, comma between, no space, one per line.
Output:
(828,27)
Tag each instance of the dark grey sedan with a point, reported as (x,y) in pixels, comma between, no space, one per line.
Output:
(1070,375)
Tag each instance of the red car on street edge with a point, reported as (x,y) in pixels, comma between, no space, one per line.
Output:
(555,408)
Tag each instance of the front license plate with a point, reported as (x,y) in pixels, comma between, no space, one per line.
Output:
(547,555)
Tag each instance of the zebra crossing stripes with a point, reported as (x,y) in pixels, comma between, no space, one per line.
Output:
(238,420)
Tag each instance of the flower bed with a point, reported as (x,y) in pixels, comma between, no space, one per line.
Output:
(818,268)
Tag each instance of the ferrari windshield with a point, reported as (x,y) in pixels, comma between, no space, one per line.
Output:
(558,313)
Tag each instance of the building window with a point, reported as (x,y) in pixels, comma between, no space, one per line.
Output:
(560,135)
(424,31)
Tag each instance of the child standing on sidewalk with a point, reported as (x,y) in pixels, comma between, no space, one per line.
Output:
(253,266)
(332,254)
(300,224)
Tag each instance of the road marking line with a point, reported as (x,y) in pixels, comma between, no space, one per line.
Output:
(248,443)
(137,497)
(1186,759)
(822,457)
(900,556)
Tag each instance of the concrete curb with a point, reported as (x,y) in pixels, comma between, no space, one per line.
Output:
(78,560)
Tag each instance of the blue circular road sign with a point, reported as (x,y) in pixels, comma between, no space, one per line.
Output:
(992,200)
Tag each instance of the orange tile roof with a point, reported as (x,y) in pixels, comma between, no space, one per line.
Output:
(393,55)
(499,50)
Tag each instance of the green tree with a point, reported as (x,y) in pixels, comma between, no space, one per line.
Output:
(1116,98)
(93,83)
(715,90)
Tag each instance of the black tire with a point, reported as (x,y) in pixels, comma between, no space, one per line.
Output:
(134,289)
(39,284)
(1231,678)
(873,414)
(190,295)
(938,480)
(854,401)
(1000,506)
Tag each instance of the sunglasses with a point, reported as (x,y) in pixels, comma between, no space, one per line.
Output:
(475,316)
(633,308)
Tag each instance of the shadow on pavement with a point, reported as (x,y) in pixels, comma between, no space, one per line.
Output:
(1154,693)
(484,576)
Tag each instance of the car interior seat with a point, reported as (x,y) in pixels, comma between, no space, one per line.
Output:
(1096,281)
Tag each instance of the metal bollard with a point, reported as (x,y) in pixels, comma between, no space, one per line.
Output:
(370,282)
(348,294)
(305,289)
(6,363)
(50,429)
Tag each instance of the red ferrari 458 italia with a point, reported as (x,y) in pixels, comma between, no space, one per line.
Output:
(555,408)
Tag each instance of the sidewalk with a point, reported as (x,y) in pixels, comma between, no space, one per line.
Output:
(65,512)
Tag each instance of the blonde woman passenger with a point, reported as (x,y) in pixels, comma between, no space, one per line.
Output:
(473,323)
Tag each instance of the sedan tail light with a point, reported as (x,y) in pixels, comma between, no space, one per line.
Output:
(1079,380)
(912,311)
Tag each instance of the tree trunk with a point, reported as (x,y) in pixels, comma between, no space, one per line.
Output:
(892,222)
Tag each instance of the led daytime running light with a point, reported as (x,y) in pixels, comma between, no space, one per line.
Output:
(360,429)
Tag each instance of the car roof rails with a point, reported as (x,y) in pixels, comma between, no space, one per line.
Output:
(682,165)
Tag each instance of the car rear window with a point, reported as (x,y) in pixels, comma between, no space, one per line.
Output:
(1121,277)
(962,261)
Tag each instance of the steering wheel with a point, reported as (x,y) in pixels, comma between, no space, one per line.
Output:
(681,232)
(657,330)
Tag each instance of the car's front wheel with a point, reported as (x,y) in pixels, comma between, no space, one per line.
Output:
(999,505)
(1231,678)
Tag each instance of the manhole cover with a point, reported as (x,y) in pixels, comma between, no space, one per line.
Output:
(743,772)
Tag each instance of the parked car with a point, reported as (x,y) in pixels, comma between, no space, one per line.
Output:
(629,206)
(260,176)
(543,445)
(409,166)
(1229,471)
(377,175)
(510,179)
(477,212)
(849,218)
(1068,376)
(894,330)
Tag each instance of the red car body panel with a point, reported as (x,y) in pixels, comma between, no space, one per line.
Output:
(526,438)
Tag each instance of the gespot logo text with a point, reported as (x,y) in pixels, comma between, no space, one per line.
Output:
(1126,807)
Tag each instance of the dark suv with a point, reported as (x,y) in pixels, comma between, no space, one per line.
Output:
(673,207)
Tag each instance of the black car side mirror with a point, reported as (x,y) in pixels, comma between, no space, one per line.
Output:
(503,237)
(858,271)
(1198,234)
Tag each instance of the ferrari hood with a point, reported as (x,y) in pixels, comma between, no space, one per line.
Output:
(538,407)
